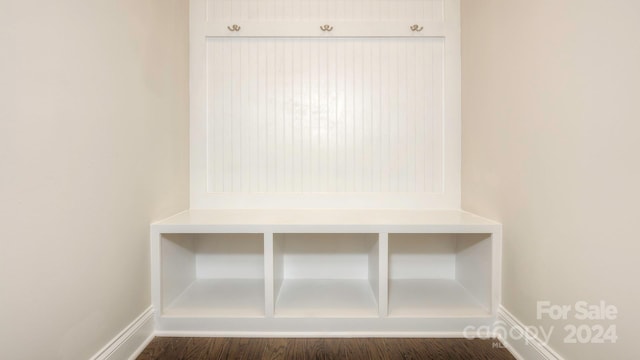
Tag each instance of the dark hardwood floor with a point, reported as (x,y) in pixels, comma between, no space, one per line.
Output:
(171,348)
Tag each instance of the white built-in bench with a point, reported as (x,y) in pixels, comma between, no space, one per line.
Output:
(325,272)
(355,105)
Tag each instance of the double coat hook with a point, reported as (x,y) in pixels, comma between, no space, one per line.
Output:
(416,28)
(326,28)
(233,27)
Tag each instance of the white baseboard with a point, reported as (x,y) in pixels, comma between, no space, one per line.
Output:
(525,345)
(131,341)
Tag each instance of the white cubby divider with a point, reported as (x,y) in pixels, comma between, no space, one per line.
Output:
(383,282)
(296,272)
(268,275)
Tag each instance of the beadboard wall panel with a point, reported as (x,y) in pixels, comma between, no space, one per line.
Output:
(285,115)
(324,115)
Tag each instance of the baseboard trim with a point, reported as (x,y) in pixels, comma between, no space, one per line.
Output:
(524,347)
(131,341)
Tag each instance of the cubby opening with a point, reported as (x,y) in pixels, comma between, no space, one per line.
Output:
(212,275)
(326,275)
(440,275)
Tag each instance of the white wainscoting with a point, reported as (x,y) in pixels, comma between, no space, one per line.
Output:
(333,120)
(324,115)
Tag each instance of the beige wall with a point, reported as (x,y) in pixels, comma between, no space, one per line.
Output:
(93,147)
(551,147)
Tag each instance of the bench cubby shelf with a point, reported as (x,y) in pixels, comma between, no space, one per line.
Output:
(439,275)
(326,275)
(325,272)
(212,275)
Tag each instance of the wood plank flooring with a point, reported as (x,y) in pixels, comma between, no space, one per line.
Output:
(172,348)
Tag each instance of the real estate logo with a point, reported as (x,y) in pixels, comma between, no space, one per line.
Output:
(582,311)
(587,324)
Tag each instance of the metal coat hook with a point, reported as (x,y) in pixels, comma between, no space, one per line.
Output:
(416,28)
(326,28)
(233,27)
